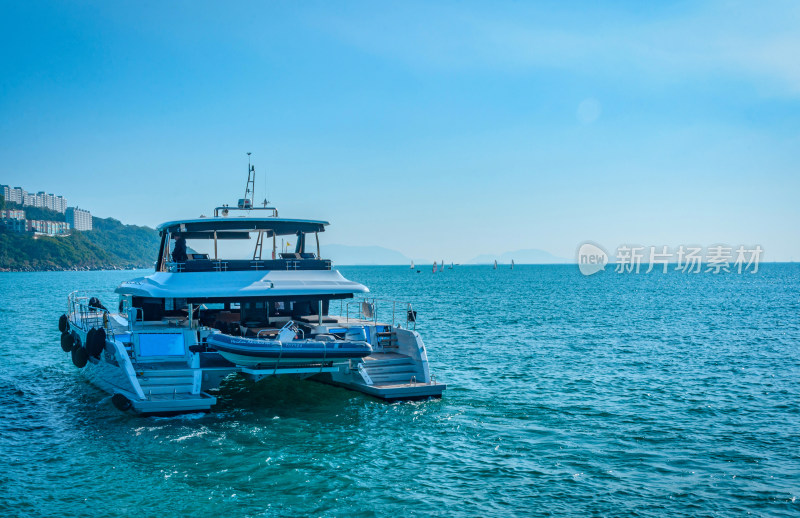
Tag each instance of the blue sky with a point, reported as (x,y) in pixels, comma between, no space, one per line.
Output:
(441,130)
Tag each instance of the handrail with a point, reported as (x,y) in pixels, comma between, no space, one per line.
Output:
(136,311)
(87,317)
(174,266)
(344,310)
(225,265)
(226,208)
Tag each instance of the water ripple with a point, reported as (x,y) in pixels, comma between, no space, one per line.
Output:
(609,395)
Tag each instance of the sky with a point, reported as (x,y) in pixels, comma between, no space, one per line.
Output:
(439,129)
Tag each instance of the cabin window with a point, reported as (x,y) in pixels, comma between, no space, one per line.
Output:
(254,312)
(297,308)
(175,307)
(280,308)
(152,309)
(161,344)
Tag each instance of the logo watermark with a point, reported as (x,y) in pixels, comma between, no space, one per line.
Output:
(715,259)
(591,258)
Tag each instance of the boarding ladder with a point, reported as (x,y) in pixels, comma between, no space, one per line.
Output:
(387,339)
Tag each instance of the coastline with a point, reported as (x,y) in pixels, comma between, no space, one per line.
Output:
(75,268)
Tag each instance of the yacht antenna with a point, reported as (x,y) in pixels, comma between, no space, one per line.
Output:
(248,203)
(250,189)
(266,190)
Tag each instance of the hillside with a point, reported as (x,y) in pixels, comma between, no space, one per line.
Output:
(110,244)
(128,244)
(35,212)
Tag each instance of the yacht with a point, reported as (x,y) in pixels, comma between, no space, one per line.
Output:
(221,303)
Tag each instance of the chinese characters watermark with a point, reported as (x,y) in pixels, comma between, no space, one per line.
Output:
(685,259)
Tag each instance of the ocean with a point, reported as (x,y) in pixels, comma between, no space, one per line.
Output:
(611,395)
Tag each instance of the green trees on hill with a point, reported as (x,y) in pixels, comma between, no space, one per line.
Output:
(23,252)
(37,212)
(109,244)
(128,244)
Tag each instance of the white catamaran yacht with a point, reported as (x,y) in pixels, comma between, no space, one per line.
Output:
(202,316)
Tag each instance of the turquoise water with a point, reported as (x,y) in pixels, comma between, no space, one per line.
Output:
(617,395)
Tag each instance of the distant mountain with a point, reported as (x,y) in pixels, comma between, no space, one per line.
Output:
(529,256)
(363,255)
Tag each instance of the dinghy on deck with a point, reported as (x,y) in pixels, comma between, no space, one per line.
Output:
(251,352)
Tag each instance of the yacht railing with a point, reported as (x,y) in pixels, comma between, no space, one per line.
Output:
(224,209)
(225,265)
(372,309)
(135,315)
(216,265)
(87,317)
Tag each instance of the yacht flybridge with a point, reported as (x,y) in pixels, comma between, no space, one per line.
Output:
(280,311)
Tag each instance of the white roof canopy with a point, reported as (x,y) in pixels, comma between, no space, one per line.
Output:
(242,284)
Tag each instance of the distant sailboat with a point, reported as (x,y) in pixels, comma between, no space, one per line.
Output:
(412,265)
(441,266)
(512,264)
(495,264)
(451,265)
(434,267)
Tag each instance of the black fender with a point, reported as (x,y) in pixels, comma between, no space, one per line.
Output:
(79,357)
(121,402)
(63,323)
(96,342)
(67,341)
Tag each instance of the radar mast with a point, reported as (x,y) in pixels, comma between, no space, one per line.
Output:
(250,188)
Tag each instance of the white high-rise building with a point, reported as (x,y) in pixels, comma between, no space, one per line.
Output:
(40,199)
(15,194)
(79,219)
